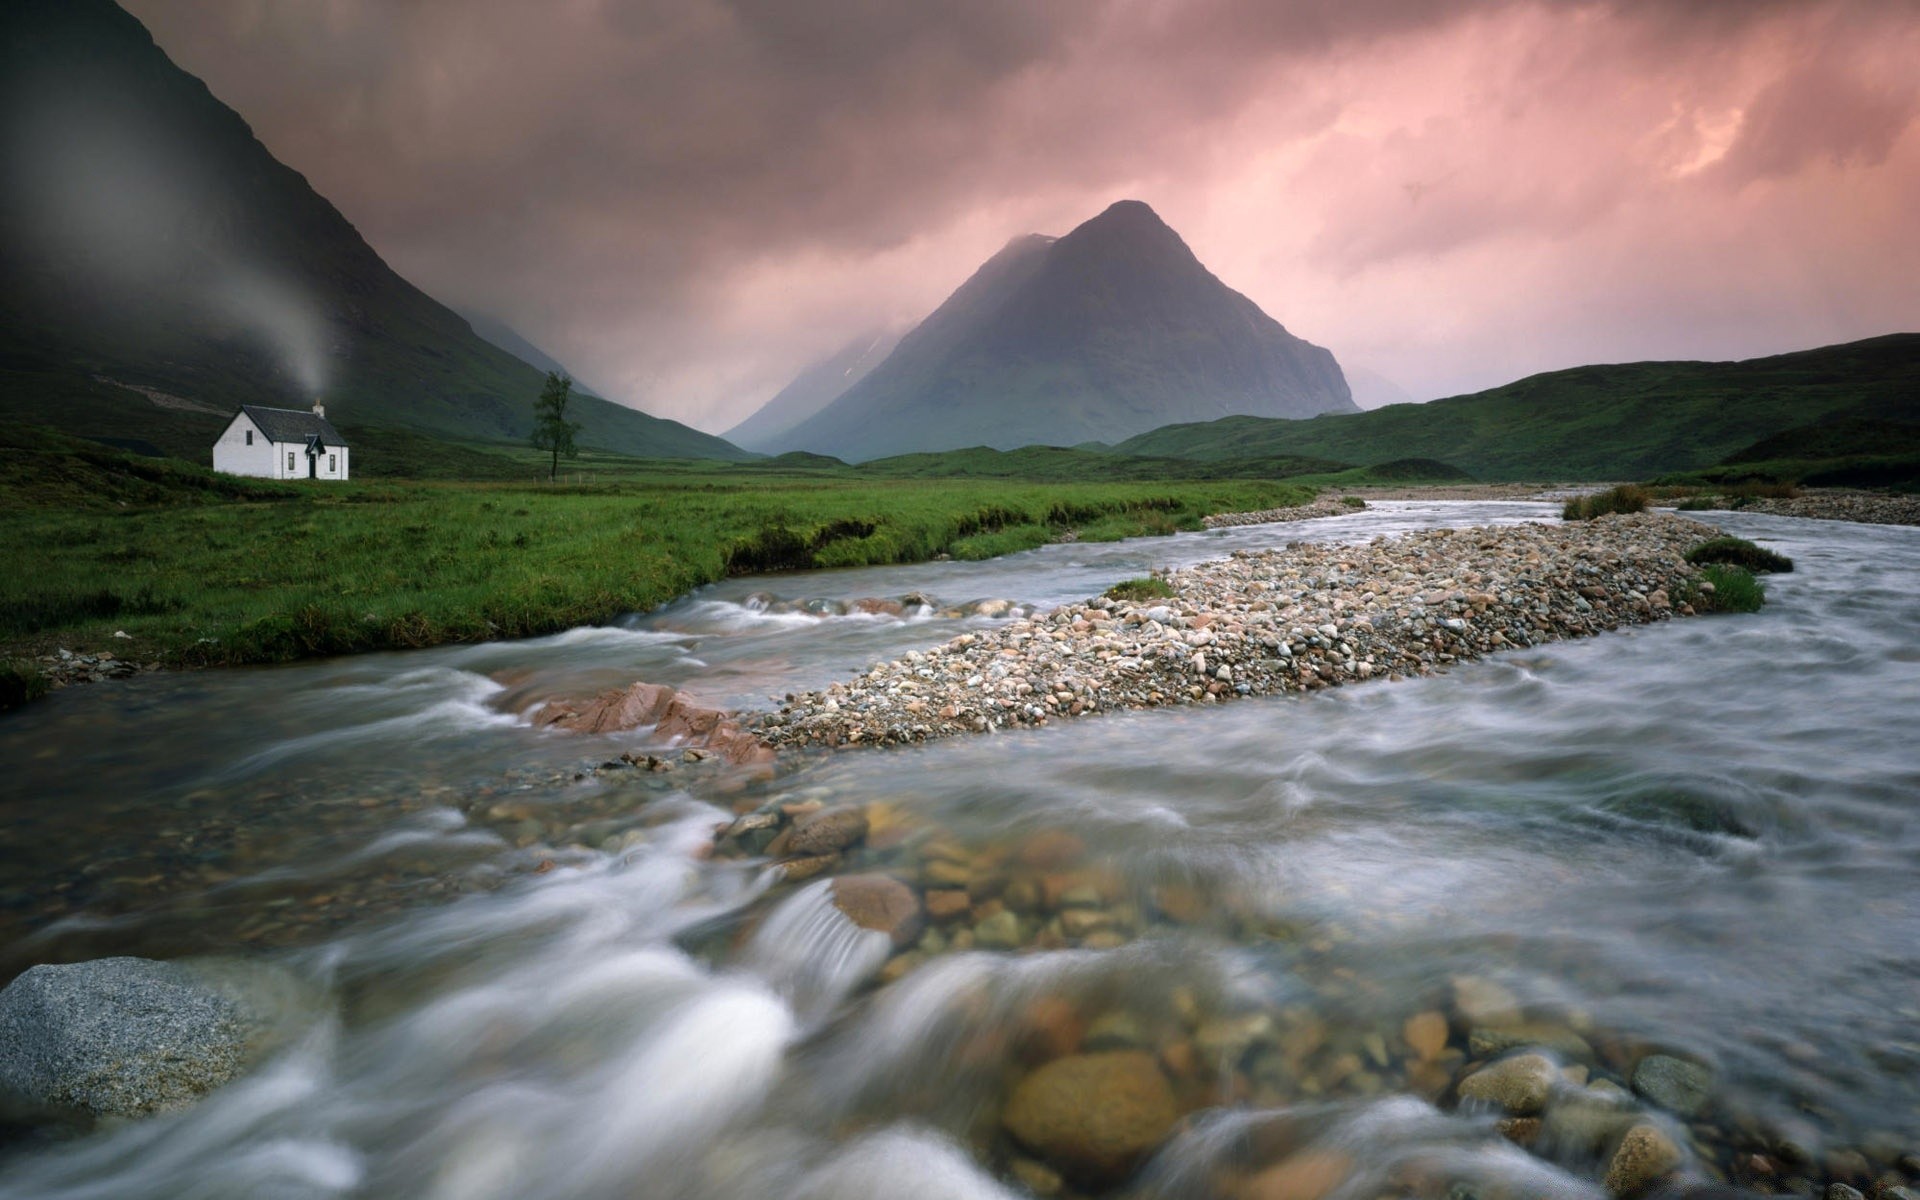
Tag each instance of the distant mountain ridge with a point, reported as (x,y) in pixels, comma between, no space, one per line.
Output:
(148,239)
(1615,421)
(1112,330)
(817,386)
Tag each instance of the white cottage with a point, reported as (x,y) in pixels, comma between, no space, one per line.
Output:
(281,443)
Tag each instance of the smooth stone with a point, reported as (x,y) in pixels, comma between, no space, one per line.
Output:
(879,902)
(1673,1083)
(1644,1157)
(1093,1116)
(1520,1085)
(1587,1120)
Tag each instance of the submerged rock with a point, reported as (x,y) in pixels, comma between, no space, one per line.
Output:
(881,903)
(1520,1085)
(1673,1083)
(125,1037)
(1645,1156)
(1093,1116)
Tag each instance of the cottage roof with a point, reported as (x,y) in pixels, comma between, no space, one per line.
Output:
(292,425)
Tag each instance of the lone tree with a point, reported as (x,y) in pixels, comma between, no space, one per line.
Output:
(551,429)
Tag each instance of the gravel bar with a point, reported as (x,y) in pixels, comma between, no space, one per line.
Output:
(1304,617)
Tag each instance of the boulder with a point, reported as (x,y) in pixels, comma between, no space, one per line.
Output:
(1093,1116)
(879,902)
(127,1037)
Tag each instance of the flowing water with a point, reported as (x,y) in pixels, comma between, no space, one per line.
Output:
(1698,837)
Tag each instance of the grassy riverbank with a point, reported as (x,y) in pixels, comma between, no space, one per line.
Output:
(204,569)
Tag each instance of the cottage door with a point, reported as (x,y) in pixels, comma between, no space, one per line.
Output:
(313,465)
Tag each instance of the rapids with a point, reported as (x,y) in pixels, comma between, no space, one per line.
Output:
(1699,836)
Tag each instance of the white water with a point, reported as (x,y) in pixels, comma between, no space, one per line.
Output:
(1701,834)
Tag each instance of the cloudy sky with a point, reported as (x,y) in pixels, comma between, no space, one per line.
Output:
(687,200)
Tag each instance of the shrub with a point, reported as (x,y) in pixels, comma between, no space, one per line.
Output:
(1734,590)
(19,683)
(1697,504)
(1739,552)
(1627,498)
(1147,588)
(1353,502)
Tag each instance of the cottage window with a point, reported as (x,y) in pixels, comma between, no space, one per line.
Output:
(249,437)
(332,463)
(289,460)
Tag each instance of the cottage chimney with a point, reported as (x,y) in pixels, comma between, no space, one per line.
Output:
(319,410)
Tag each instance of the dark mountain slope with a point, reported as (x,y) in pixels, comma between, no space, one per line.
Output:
(147,237)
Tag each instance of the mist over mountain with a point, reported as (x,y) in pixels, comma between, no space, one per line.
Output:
(505,336)
(150,247)
(1107,332)
(819,385)
(1373,390)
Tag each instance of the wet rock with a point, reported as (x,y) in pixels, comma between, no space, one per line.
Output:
(826,831)
(1093,1116)
(1589,1119)
(1486,1041)
(1037,1177)
(1227,1039)
(947,904)
(1673,1083)
(1840,1191)
(1520,1084)
(1115,1031)
(1001,931)
(1484,1003)
(1309,1175)
(879,902)
(125,1037)
(636,707)
(1646,1155)
(1425,1034)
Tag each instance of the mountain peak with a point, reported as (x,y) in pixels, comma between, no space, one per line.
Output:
(1113,329)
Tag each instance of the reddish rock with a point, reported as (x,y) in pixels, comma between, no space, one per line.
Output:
(671,715)
(879,902)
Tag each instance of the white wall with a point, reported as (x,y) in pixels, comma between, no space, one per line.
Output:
(232,455)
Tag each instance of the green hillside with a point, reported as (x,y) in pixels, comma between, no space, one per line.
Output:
(148,239)
(1630,421)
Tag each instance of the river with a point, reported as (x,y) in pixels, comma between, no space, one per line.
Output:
(1698,836)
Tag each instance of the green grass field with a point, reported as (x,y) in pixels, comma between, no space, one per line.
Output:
(208,569)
